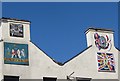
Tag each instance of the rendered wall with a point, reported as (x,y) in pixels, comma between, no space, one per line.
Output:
(84,65)
(1,61)
(12,69)
(6,34)
(40,66)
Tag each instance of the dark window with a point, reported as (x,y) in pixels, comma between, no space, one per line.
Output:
(11,78)
(83,79)
(49,79)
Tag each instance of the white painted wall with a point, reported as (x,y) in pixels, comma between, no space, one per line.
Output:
(6,33)
(40,65)
(85,65)
(1,53)
(1,61)
(90,36)
(0,32)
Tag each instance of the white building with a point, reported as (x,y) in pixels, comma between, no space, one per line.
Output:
(21,59)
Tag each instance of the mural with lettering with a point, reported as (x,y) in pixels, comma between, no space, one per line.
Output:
(16,30)
(105,62)
(102,42)
(16,53)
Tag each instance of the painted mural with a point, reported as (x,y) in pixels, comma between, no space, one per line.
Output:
(106,62)
(16,53)
(16,30)
(102,42)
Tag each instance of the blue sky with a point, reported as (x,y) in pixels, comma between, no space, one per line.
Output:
(58,28)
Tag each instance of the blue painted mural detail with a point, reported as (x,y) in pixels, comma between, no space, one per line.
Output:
(16,53)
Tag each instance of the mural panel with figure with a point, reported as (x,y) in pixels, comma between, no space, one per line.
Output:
(106,62)
(102,42)
(16,53)
(16,30)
